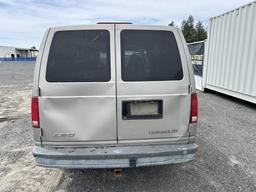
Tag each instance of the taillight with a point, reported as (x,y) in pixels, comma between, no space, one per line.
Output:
(194,108)
(35,112)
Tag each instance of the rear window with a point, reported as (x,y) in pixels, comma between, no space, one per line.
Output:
(79,56)
(150,56)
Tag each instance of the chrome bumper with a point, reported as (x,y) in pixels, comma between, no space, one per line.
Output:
(114,156)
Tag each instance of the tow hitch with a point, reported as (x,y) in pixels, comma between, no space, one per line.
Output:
(118,172)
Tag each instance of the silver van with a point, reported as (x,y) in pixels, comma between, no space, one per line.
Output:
(113,95)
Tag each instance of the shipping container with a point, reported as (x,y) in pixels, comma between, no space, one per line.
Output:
(230,55)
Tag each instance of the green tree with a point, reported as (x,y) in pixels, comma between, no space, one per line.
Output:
(191,32)
(200,33)
(188,29)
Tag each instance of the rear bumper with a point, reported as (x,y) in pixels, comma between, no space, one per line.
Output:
(114,156)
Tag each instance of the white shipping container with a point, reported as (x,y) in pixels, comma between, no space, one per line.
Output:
(230,62)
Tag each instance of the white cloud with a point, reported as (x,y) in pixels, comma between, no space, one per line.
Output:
(24,22)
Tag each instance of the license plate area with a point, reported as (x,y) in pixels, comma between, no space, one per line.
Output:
(146,109)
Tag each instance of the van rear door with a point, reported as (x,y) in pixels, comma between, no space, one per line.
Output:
(153,96)
(77,97)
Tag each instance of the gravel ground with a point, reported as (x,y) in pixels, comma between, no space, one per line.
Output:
(225,160)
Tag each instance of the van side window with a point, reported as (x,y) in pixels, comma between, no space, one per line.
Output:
(79,56)
(150,56)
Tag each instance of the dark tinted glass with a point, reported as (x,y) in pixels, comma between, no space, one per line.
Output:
(150,56)
(79,56)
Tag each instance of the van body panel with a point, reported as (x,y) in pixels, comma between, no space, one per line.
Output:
(69,111)
(35,90)
(192,127)
(80,144)
(72,118)
(175,96)
(189,62)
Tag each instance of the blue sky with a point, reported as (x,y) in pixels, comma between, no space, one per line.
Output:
(23,22)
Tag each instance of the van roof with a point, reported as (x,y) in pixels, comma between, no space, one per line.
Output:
(67,27)
(113,22)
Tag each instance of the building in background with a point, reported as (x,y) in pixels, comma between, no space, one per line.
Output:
(15,53)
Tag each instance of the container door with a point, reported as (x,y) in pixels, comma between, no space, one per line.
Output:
(77,86)
(153,97)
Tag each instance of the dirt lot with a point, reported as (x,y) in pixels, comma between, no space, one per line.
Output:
(225,159)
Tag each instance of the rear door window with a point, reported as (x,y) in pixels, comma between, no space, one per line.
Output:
(79,56)
(150,56)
